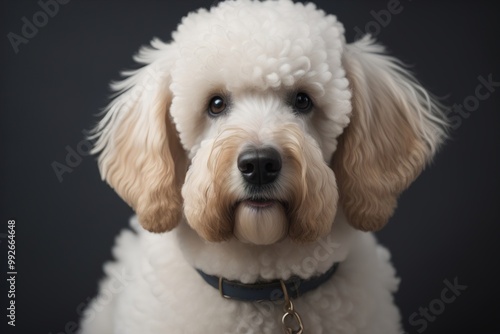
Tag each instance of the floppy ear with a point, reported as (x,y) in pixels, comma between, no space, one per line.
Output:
(395,129)
(140,153)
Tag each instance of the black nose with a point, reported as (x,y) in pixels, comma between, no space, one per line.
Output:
(259,166)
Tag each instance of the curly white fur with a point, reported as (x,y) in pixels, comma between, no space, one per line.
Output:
(371,130)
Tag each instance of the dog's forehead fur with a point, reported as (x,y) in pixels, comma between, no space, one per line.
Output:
(282,46)
(279,44)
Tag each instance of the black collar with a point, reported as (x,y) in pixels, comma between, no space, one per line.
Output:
(268,290)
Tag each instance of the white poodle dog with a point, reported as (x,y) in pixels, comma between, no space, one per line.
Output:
(270,147)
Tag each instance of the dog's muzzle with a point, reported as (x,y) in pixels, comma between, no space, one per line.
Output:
(260,218)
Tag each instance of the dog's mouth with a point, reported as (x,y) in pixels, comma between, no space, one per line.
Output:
(260,203)
(260,221)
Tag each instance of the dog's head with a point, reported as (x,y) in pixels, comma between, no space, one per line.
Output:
(258,120)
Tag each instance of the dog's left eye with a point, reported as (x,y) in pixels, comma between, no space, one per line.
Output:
(217,106)
(303,103)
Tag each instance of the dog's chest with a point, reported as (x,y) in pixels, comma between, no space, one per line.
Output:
(167,295)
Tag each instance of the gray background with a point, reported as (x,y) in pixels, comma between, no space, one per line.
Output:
(446,226)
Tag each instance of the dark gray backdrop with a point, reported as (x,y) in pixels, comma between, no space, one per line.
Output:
(446,226)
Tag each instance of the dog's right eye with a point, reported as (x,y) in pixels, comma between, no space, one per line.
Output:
(217,106)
